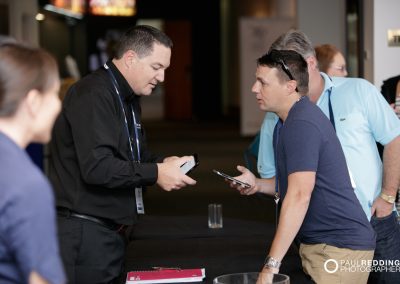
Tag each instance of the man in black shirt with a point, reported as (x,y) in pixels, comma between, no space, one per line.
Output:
(100,161)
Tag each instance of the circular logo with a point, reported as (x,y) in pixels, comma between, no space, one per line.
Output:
(331,270)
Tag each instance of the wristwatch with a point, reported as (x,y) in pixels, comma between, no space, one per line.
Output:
(271,262)
(388,198)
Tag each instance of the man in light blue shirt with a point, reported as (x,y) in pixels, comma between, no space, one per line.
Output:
(361,118)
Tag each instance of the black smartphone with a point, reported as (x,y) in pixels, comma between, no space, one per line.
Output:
(188,166)
(232,179)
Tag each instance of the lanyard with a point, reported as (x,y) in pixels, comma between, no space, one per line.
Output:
(331,116)
(276,134)
(135,125)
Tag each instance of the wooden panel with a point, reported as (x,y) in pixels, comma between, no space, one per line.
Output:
(178,77)
(4,28)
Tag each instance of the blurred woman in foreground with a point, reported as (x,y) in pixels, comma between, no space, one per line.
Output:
(29,105)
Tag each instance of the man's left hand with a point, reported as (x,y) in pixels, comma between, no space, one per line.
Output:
(267,275)
(381,208)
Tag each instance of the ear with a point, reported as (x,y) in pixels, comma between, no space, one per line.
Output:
(312,63)
(291,86)
(33,102)
(130,58)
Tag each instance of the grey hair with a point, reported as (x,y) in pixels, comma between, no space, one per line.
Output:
(294,40)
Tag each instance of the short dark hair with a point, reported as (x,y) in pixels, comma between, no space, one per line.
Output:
(291,66)
(141,40)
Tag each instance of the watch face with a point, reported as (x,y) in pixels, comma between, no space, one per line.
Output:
(272,263)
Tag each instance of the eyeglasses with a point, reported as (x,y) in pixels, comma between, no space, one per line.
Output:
(339,68)
(285,69)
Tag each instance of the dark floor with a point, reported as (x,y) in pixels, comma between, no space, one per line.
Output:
(174,230)
(219,146)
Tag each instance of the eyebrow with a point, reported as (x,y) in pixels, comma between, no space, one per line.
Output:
(261,80)
(158,64)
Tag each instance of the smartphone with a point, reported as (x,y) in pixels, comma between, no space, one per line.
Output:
(188,166)
(232,179)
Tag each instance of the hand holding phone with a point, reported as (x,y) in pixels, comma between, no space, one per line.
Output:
(228,177)
(188,166)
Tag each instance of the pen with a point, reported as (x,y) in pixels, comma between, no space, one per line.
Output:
(166,268)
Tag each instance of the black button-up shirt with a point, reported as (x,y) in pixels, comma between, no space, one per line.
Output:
(91,166)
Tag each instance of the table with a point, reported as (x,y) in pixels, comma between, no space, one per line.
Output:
(187,242)
(249,278)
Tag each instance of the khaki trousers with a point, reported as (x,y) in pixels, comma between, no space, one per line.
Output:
(331,265)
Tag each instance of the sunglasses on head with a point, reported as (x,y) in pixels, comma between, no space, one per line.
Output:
(274,56)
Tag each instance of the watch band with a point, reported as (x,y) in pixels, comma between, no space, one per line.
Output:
(388,198)
(271,262)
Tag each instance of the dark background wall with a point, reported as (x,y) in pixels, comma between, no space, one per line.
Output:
(64,36)
(205,19)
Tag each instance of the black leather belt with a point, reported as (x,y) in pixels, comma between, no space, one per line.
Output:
(109,224)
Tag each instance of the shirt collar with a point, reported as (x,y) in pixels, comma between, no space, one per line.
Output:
(329,84)
(328,81)
(125,89)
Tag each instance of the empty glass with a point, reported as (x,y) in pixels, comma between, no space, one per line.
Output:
(215,216)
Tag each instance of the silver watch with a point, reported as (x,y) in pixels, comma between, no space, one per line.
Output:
(271,262)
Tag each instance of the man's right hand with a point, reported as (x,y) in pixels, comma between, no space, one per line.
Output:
(247,177)
(170,176)
(262,185)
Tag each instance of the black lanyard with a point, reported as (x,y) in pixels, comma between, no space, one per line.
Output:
(331,116)
(276,134)
(135,125)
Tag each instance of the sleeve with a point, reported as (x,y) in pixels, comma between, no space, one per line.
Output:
(97,132)
(32,233)
(302,144)
(266,160)
(383,122)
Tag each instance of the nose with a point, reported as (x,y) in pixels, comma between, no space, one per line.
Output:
(160,76)
(254,88)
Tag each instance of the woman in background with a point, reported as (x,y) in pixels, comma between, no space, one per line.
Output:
(331,60)
(29,105)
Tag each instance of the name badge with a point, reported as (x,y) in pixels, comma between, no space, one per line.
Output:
(139,200)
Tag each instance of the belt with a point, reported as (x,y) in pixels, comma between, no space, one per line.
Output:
(109,224)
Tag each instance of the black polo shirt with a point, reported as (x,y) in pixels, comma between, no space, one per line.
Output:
(91,165)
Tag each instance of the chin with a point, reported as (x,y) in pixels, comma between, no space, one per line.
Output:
(146,92)
(42,139)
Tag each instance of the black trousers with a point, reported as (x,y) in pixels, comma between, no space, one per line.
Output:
(91,253)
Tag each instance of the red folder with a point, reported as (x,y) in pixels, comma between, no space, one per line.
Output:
(166,276)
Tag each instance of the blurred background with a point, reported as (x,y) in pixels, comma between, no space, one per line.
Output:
(216,43)
(205,105)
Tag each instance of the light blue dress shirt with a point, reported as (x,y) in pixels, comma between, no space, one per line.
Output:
(362,118)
